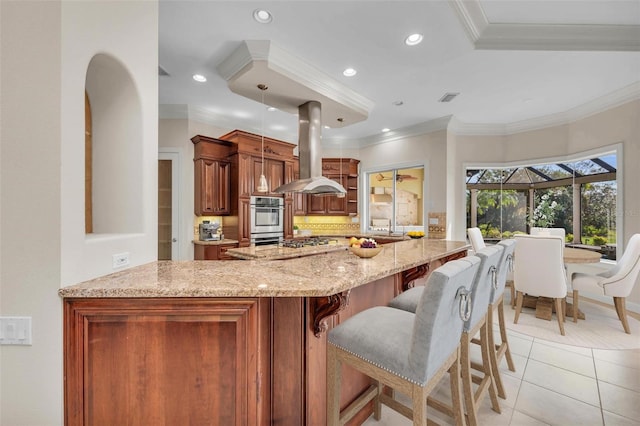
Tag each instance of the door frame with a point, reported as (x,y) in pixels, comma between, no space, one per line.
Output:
(175,156)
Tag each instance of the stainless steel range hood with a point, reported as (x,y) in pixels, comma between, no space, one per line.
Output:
(309,151)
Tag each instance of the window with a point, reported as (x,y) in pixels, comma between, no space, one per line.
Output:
(396,200)
(579,196)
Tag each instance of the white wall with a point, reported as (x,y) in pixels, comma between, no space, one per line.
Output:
(616,125)
(429,149)
(46,48)
(31,376)
(127,31)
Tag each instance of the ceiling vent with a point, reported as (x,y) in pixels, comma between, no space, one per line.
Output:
(448,97)
(162,72)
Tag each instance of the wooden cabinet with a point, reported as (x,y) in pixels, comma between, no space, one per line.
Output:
(166,361)
(273,172)
(212,176)
(344,171)
(212,187)
(213,251)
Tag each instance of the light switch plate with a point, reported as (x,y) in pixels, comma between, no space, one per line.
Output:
(15,330)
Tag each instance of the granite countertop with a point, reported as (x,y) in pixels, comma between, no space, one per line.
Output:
(215,243)
(275,252)
(324,275)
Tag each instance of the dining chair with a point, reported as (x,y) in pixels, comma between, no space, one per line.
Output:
(476,239)
(483,284)
(549,231)
(407,352)
(617,282)
(539,271)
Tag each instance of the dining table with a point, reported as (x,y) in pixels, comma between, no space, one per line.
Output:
(545,306)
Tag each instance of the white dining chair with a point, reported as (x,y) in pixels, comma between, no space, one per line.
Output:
(539,271)
(549,231)
(617,282)
(476,239)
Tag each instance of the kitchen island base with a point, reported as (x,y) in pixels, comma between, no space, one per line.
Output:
(213,360)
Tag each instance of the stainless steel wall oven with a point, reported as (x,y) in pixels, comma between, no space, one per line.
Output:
(267,220)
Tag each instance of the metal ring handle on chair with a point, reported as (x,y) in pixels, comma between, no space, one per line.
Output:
(494,277)
(510,262)
(465,304)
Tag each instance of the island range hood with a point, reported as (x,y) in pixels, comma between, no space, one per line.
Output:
(310,154)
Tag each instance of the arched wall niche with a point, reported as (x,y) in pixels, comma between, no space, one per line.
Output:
(116,144)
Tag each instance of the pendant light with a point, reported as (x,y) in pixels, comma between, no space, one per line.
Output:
(262,185)
(340,194)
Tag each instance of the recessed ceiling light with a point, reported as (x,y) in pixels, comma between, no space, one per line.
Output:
(398,103)
(413,39)
(349,72)
(199,78)
(385,130)
(262,16)
(271,109)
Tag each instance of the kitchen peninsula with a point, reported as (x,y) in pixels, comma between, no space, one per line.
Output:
(227,342)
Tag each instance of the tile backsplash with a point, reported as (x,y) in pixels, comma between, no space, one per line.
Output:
(319,225)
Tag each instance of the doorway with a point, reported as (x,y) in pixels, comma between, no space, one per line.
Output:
(168,202)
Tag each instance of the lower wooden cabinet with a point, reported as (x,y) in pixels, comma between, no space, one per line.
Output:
(213,252)
(165,362)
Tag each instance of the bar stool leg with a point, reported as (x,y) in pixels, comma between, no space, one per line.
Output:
(503,338)
(493,355)
(486,363)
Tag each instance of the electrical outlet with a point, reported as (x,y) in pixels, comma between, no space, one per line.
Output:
(15,330)
(120,260)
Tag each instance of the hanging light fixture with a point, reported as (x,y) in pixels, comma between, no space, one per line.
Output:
(262,185)
(340,194)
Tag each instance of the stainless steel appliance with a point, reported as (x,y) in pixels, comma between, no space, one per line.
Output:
(267,220)
(209,231)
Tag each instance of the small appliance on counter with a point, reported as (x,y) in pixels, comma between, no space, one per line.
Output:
(209,231)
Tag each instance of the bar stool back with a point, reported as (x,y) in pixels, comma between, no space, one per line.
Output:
(408,352)
(484,283)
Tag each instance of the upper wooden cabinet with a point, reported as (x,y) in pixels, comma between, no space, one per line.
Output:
(273,172)
(345,171)
(212,177)
(212,195)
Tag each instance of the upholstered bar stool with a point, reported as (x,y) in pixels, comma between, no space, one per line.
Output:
(408,352)
(505,265)
(477,324)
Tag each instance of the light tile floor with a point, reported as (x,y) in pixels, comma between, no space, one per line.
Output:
(555,384)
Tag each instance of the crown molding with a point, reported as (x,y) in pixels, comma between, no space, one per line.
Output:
(549,37)
(611,100)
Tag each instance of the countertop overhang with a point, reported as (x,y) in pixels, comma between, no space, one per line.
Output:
(309,276)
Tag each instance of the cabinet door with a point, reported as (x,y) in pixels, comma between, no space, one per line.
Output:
(245,175)
(201,252)
(244,224)
(316,204)
(222,183)
(171,361)
(212,180)
(337,205)
(275,175)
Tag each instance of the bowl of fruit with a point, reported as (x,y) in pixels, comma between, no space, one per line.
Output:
(415,234)
(364,247)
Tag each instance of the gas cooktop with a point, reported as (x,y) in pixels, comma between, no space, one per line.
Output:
(306,242)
